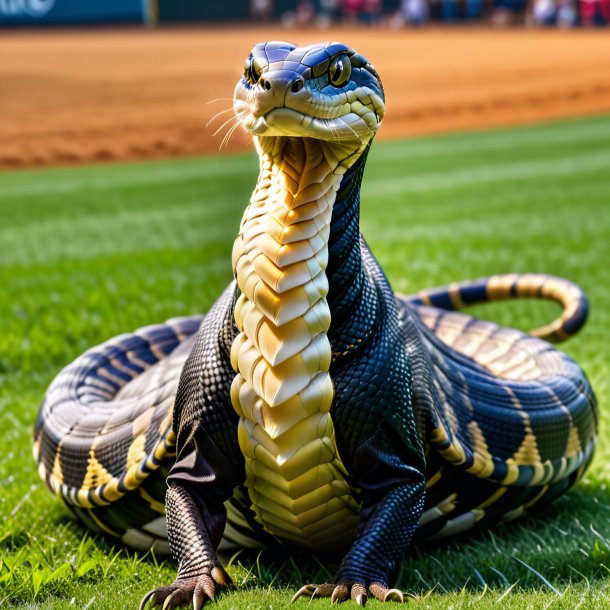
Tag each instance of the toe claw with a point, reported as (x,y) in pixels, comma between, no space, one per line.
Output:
(208,587)
(325,590)
(220,576)
(304,590)
(168,601)
(198,589)
(145,599)
(339,594)
(394,595)
(359,594)
(198,599)
(386,595)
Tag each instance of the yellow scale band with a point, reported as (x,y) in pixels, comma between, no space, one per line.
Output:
(282,390)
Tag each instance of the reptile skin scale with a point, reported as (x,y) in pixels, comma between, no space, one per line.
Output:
(312,406)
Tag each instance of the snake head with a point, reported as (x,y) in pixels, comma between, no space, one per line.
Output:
(325,91)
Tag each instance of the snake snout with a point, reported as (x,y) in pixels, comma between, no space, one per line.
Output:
(273,90)
(283,83)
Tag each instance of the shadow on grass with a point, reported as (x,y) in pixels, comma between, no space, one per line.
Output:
(567,543)
(556,546)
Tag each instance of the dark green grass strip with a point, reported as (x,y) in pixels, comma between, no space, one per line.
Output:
(91,252)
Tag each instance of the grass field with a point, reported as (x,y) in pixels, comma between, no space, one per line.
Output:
(91,252)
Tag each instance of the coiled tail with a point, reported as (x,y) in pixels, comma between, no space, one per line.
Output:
(103,439)
(459,295)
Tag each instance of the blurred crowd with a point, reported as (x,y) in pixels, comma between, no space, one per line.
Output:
(397,13)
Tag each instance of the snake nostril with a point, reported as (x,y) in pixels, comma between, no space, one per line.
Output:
(295,87)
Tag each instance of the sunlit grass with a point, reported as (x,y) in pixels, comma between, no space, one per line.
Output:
(91,252)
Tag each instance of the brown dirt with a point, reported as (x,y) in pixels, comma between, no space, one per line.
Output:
(89,96)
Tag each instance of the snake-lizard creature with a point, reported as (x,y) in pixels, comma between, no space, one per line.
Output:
(311,405)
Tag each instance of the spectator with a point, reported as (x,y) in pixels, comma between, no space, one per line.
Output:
(302,16)
(352,10)
(261,9)
(567,16)
(449,10)
(305,13)
(393,14)
(415,11)
(371,11)
(473,9)
(329,12)
(544,12)
(506,11)
(595,12)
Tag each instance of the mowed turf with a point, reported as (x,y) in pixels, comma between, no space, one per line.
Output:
(89,253)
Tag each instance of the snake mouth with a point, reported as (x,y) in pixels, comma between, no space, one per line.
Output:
(284,121)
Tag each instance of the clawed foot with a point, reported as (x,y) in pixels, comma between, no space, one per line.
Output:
(357,592)
(193,592)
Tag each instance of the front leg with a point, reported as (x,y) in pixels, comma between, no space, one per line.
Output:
(387,528)
(193,547)
(373,560)
(208,464)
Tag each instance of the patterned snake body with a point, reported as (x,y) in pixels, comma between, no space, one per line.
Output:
(311,405)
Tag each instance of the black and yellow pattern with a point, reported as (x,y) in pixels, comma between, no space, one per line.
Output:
(513,412)
(312,405)
(104,430)
(516,286)
(516,425)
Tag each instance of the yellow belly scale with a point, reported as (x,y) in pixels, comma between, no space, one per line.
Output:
(283,391)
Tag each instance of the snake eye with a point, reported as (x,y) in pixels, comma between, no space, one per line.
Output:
(339,71)
(252,70)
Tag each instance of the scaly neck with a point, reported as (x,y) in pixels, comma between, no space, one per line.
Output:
(347,280)
(282,390)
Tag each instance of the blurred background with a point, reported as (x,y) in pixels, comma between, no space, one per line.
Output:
(111,80)
(119,206)
(565,13)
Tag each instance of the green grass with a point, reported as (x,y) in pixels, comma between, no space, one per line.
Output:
(91,252)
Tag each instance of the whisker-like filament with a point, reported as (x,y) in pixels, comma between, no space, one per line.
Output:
(218,114)
(220,99)
(232,118)
(232,130)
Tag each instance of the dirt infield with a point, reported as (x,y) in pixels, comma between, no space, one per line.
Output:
(90,96)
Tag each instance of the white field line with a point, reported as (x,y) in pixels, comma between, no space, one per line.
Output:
(518,170)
